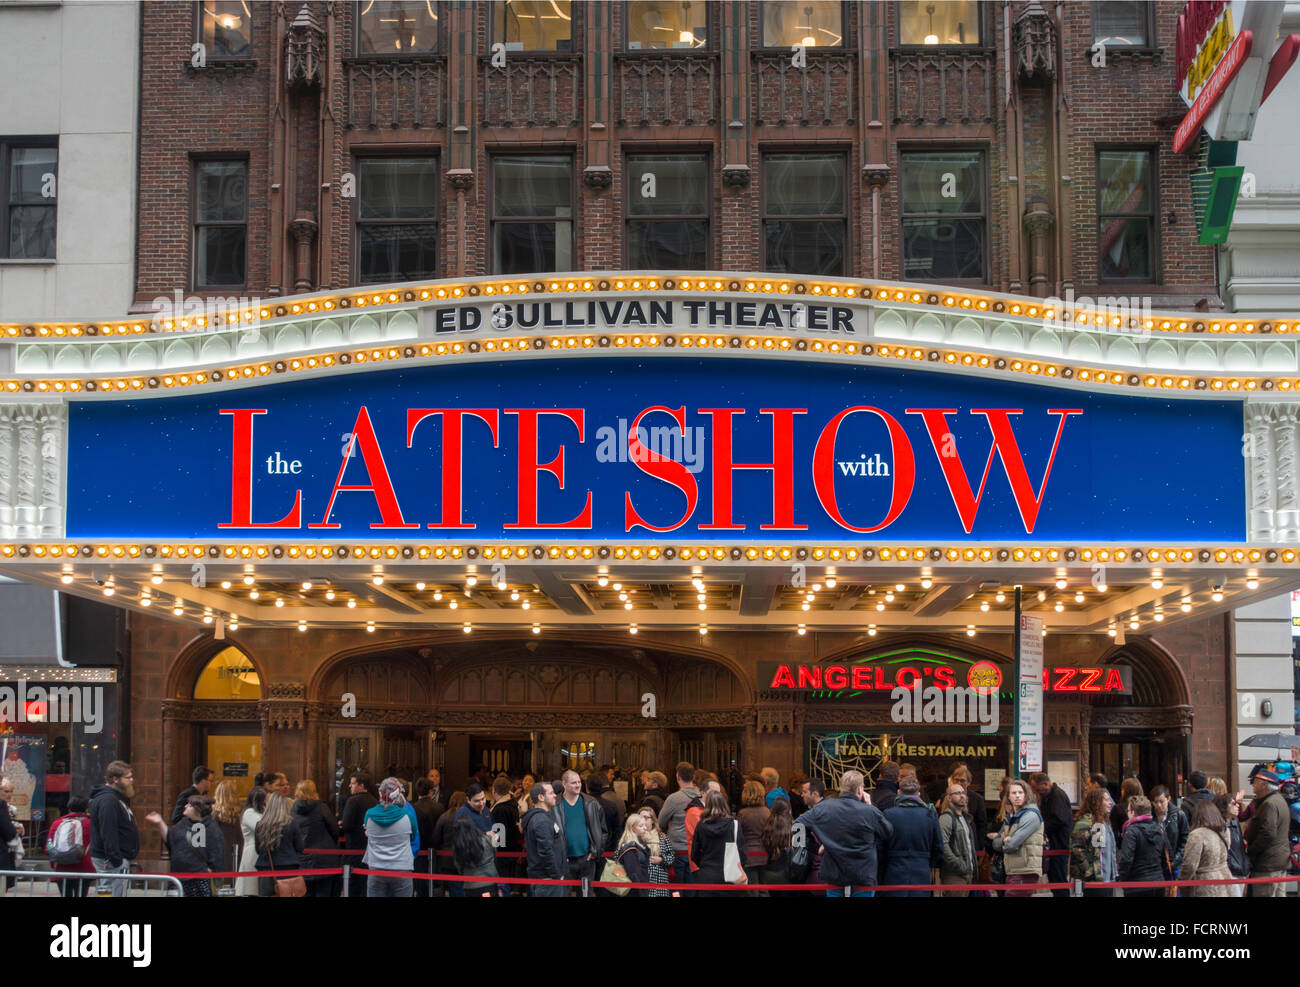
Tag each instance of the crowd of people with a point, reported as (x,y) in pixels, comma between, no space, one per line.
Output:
(775,840)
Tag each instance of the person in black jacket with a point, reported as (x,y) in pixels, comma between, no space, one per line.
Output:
(1229,807)
(1142,852)
(1177,828)
(114,838)
(353,824)
(505,813)
(1058,822)
(202,779)
(319,832)
(444,837)
(713,832)
(1199,782)
(427,812)
(195,844)
(9,830)
(544,843)
(915,848)
(886,790)
(850,832)
(278,839)
(633,853)
(975,806)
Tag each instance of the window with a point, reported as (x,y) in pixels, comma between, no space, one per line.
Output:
(929,23)
(397,219)
(532,215)
(394,27)
(662,24)
(226,28)
(804,215)
(533,25)
(944,216)
(1119,23)
(668,212)
(1126,214)
(815,24)
(29,198)
(220,223)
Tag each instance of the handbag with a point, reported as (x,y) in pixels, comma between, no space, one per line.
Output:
(615,873)
(1172,890)
(733,872)
(287,887)
(997,867)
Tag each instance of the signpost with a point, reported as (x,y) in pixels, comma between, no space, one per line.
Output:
(1029,708)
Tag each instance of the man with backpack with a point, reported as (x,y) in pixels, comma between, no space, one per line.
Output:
(68,847)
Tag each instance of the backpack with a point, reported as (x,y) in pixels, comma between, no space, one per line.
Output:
(801,858)
(63,846)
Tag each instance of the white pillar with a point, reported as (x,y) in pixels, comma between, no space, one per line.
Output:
(1263,664)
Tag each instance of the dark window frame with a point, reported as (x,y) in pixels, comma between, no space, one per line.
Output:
(196,162)
(249,59)
(628,219)
(846,43)
(566,151)
(846,217)
(1150,45)
(576,41)
(1157,269)
(362,153)
(378,56)
(7,146)
(710,26)
(982,147)
(979,45)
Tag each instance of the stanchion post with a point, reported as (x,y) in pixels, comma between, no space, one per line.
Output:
(848,891)
(347,877)
(1077,890)
(586,887)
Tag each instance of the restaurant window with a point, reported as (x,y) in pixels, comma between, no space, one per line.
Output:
(29,197)
(532,214)
(668,212)
(1126,214)
(533,25)
(220,223)
(226,28)
(397,219)
(395,27)
(929,23)
(1118,23)
(667,24)
(804,215)
(816,24)
(944,216)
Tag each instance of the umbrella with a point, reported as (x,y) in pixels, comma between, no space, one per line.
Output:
(1278,741)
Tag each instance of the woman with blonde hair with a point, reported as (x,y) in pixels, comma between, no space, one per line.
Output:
(633,853)
(753,815)
(662,856)
(279,843)
(1218,786)
(226,810)
(1021,837)
(320,831)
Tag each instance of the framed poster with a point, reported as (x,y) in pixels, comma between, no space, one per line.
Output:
(1064,770)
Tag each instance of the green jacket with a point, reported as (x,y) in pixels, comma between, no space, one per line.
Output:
(957,854)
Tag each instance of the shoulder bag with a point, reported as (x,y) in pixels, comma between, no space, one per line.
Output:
(615,873)
(733,872)
(287,887)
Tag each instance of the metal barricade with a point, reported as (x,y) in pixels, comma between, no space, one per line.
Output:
(48,884)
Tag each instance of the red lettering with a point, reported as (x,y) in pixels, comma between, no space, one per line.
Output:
(241,476)
(782,679)
(880,677)
(1089,676)
(380,486)
(944,677)
(861,677)
(782,467)
(836,677)
(810,678)
(452,449)
(1114,681)
(529,467)
(1064,676)
(903,479)
(916,678)
(662,468)
(1004,446)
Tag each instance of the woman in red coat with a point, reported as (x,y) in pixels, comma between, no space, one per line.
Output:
(75,816)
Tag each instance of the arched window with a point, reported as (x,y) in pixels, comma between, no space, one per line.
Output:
(229,675)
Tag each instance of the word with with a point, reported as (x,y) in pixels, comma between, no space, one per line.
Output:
(656,444)
(955,705)
(56,704)
(875,466)
(75,941)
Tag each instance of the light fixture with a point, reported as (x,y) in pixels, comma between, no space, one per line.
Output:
(618,587)
(1060,607)
(1061,583)
(704,629)
(1157,583)
(225,583)
(830,582)
(926,582)
(1217,595)
(809,40)
(352,604)
(1159,616)
(329,594)
(1186,605)
(178,610)
(1042,595)
(419,587)
(468,627)
(377,580)
(984,607)
(537,628)
(157,581)
(1252,583)
(306,584)
(631,629)
(889,597)
(302,625)
(1133,623)
(279,602)
(1102,588)
(1078,597)
(253,594)
(602,580)
(1111,631)
(1266,707)
(900,587)
(514,595)
(471,581)
(970,630)
(248,580)
(145,601)
(370,627)
(1001,597)
(437,596)
(453,605)
(931,38)
(525,605)
(66,578)
(802,630)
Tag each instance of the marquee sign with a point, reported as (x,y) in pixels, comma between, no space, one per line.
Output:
(625,447)
(880,674)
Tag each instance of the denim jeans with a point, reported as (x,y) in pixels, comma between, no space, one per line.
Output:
(104,886)
(388,887)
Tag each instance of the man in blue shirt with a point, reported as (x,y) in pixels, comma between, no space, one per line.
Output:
(772,782)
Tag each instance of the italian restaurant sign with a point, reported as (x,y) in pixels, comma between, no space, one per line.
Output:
(882,674)
(633,448)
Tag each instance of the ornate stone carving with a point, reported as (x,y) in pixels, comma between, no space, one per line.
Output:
(31,470)
(286,690)
(303,231)
(1148,717)
(1035,35)
(597,177)
(735,176)
(461,179)
(876,175)
(199,709)
(304,44)
(1271,477)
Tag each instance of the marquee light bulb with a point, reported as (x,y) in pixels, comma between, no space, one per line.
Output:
(178,611)
(537,628)
(802,606)
(984,607)
(437,596)
(816,587)
(279,603)
(889,597)
(926,583)
(514,595)
(471,581)
(900,587)
(830,582)
(468,627)
(1185,606)
(704,629)
(1217,595)
(1078,597)
(377,580)
(248,580)
(618,587)
(1000,597)
(880,607)
(1252,583)
(1112,632)
(352,604)
(1059,606)
(632,629)
(253,594)
(602,580)
(66,578)
(1159,616)
(207,618)
(1061,584)
(419,587)
(1157,583)
(302,626)
(306,584)
(370,628)
(329,594)
(970,630)
(1133,624)
(157,581)
(145,601)
(622,597)
(871,631)
(225,583)
(453,605)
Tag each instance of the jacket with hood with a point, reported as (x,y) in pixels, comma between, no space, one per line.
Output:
(319,830)
(1238,862)
(959,858)
(1267,842)
(709,848)
(113,833)
(1142,853)
(1021,841)
(914,848)
(1190,803)
(852,833)
(884,794)
(192,853)
(672,817)
(392,837)
(635,859)
(544,845)
(594,812)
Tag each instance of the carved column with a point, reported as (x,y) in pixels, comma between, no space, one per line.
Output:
(6,472)
(50,418)
(877,176)
(1261,462)
(1287,519)
(25,514)
(303,231)
(462,180)
(598,35)
(1038,224)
